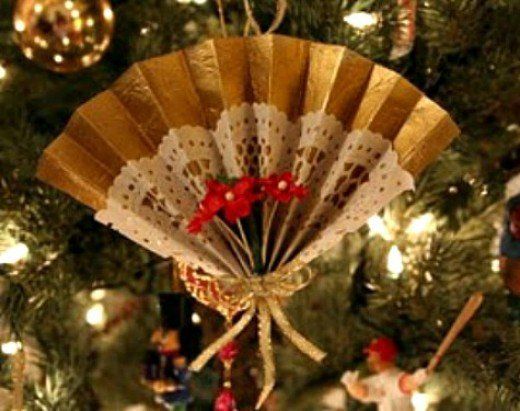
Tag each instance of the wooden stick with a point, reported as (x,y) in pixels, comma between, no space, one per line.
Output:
(465,315)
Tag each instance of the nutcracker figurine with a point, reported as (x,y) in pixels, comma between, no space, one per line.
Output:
(510,240)
(174,345)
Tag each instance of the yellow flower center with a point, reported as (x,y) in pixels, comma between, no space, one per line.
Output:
(282,185)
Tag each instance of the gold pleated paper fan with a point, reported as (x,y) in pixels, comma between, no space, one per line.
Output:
(351,131)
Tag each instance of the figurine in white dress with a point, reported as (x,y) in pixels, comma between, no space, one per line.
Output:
(390,388)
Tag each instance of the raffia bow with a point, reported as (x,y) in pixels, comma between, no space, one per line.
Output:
(263,295)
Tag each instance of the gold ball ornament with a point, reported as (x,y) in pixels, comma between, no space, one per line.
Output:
(64,35)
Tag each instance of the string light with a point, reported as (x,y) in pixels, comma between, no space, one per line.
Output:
(3,72)
(19,25)
(495,265)
(361,20)
(428,276)
(195,318)
(394,263)
(420,401)
(14,254)
(96,315)
(108,14)
(377,226)
(11,347)
(98,295)
(421,224)
(453,190)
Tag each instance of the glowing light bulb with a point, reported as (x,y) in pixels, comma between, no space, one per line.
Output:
(184,1)
(38,8)
(98,295)
(96,315)
(495,265)
(75,13)
(195,318)
(421,224)
(420,401)
(58,58)
(11,347)
(14,254)
(19,25)
(28,52)
(3,72)
(108,14)
(377,226)
(360,20)
(69,4)
(200,2)
(394,262)
(43,43)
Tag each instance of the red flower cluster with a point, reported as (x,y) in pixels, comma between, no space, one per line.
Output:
(236,201)
(282,187)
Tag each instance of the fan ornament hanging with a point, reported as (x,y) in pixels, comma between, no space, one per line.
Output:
(244,158)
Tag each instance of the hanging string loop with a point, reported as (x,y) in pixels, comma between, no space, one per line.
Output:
(251,22)
(222,19)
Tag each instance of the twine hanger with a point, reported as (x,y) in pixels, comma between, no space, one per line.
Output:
(251,22)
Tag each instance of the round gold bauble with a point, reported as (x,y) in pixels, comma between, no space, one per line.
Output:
(64,35)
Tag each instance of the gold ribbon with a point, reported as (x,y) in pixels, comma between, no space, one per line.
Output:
(263,295)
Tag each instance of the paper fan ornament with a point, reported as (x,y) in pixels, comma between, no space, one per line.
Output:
(246,158)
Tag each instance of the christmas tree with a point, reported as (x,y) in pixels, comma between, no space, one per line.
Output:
(81,299)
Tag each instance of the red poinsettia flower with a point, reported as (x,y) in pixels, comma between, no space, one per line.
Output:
(235,201)
(283,188)
(240,198)
(198,220)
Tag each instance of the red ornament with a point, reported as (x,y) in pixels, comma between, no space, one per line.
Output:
(514,222)
(283,188)
(225,401)
(229,352)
